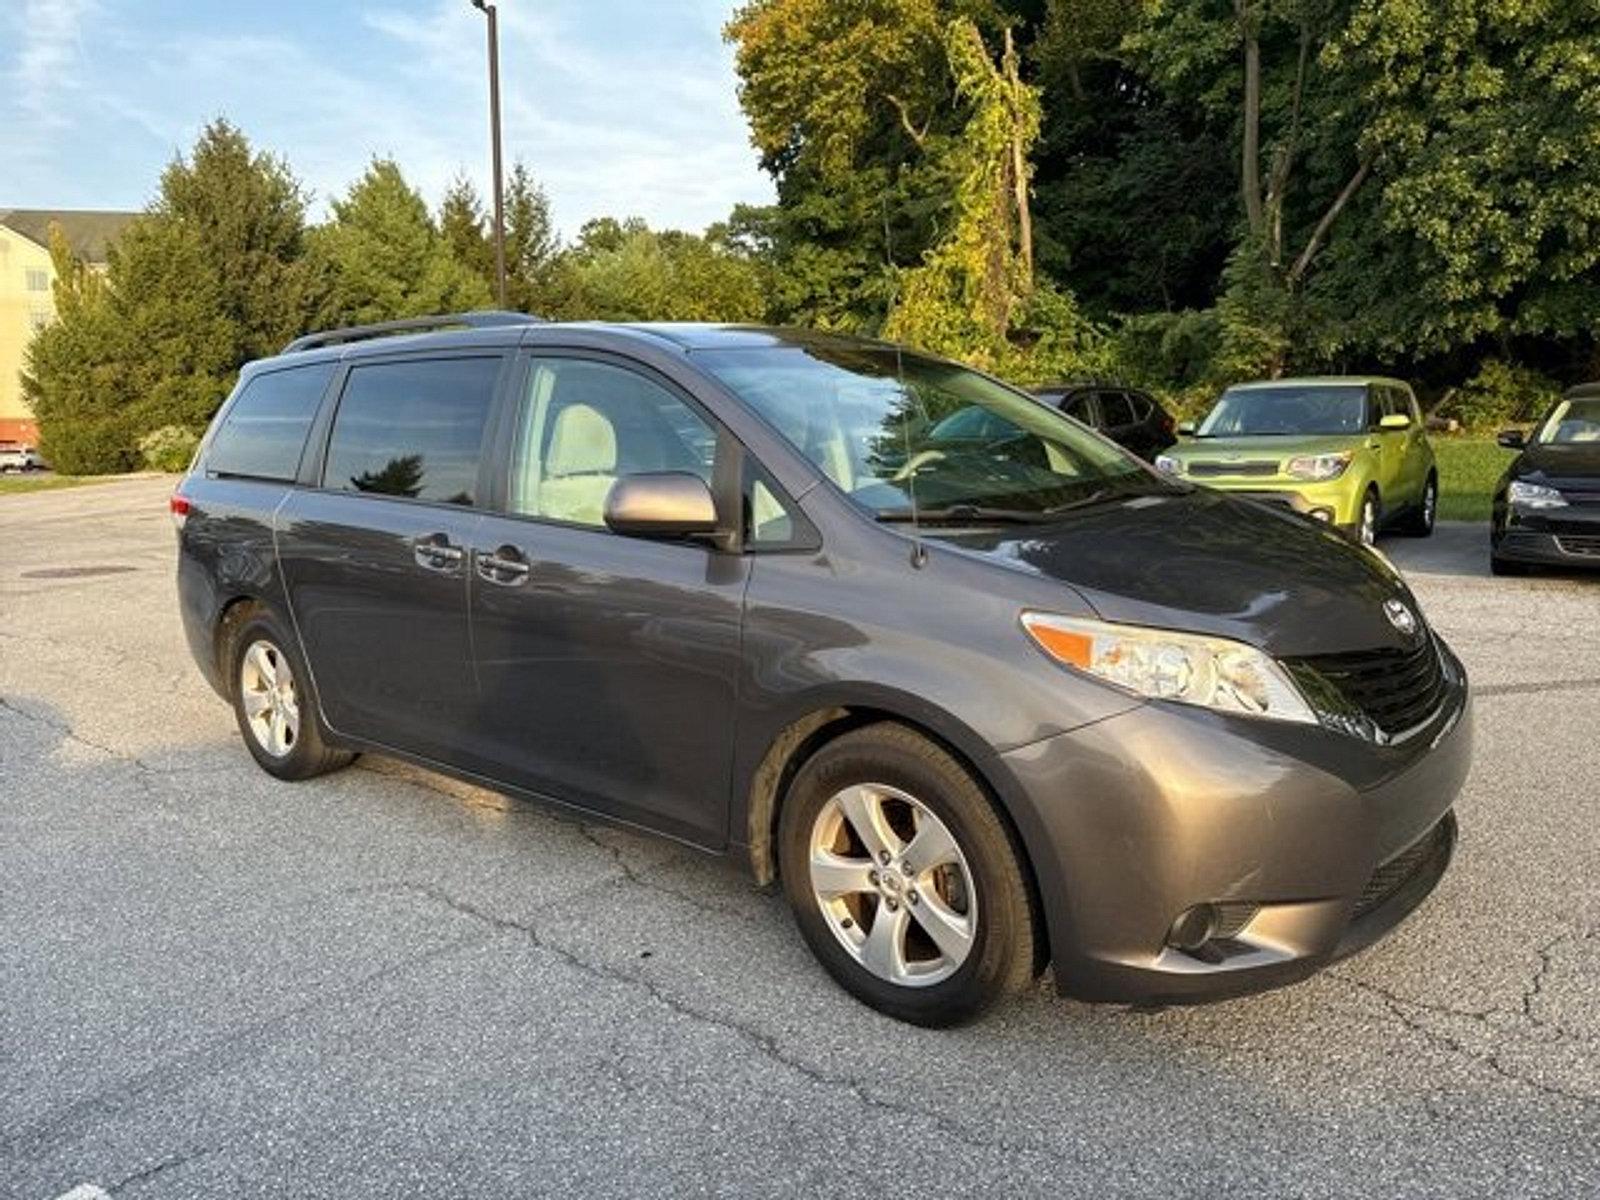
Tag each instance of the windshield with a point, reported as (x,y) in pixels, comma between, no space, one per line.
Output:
(1289,411)
(1572,421)
(877,422)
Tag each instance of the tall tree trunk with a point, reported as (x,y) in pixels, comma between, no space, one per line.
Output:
(1250,167)
(1019,165)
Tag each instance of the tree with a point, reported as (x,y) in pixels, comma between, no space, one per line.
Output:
(624,271)
(382,257)
(207,278)
(463,227)
(531,243)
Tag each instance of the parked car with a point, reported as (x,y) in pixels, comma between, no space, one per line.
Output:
(1351,451)
(1547,505)
(1126,415)
(978,707)
(17,457)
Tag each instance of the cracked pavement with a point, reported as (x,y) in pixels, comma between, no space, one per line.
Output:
(389,983)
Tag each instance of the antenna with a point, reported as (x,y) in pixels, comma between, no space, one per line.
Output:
(919,552)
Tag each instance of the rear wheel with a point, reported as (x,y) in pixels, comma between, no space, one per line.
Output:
(1420,522)
(903,879)
(273,701)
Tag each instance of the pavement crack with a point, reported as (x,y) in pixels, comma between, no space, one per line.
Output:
(765,1044)
(1405,1010)
(159,1168)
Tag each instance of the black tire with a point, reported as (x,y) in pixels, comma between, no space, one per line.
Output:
(1506,566)
(1004,952)
(308,755)
(1419,521)
(1369,500)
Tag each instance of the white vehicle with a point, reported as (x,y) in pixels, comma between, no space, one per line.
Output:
(15,457)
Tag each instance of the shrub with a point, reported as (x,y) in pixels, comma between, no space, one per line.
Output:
(169,448)
(1499,394)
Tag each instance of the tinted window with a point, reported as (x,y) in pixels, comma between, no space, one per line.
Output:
(584,424)
(1115,409)
(265,430)
(1079,408)
(413,429)
(1142,406)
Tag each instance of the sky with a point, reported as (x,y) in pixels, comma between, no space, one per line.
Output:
(620,107)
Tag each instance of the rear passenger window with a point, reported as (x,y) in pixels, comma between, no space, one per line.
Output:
(413,429)
(264,433)
(585,424)
(1079,409)
(1115,410)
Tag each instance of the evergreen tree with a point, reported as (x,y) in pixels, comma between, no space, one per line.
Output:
(464,227)
(382,257)
(531,244)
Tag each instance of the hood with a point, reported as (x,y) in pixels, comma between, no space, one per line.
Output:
(1204,562)
(1565,464)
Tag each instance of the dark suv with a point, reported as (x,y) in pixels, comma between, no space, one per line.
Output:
(982,701)
(1127,416)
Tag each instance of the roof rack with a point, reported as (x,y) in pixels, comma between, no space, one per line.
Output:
(361,333)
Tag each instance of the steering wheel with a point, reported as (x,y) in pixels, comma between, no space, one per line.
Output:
(917,461)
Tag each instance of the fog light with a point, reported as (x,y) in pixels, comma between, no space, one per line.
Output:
(1322,514)
(1194,927)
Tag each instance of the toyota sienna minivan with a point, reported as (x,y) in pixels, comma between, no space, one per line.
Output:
(980,705)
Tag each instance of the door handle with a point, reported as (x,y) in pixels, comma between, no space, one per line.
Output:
(436,553)
(504,566)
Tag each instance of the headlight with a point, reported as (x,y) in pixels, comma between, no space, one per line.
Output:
(1189,668)
(1168,465)
(1534,495)
(1319,466)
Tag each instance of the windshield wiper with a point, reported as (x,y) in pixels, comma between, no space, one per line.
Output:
(964,514)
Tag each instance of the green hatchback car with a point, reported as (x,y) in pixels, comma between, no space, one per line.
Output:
(1350,450)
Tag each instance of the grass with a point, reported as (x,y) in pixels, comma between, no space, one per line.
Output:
(13,484)
(1469,468)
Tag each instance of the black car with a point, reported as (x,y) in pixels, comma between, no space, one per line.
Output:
(1547,505)
(982,695)
(1127,416)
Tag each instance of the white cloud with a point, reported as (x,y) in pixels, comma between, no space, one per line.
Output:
(41,79)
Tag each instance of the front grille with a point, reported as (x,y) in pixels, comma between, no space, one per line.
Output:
(1585,545)
(1576,497)
(1396,690)
(1400,870)
(1518,539)
(1212,470)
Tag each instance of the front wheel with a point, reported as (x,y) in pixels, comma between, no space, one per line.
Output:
(1366,530)
(903,879)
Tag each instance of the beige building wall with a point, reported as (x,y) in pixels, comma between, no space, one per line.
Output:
(26,303)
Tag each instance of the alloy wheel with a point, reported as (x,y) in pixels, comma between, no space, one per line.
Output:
(893,885)
(269,698)
(1369,521)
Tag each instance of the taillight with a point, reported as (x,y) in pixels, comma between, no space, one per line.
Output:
(178,506)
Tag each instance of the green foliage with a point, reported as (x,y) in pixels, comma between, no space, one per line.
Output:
(531,245)
(624,271)
(206,278)
(1500,394)
(169,448)
(464,228)
(382,257)
(1469,471)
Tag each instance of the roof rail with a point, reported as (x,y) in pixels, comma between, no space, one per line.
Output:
(361,333)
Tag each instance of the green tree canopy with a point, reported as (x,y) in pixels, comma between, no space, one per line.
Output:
(381,256)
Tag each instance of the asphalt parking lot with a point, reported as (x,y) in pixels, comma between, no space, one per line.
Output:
(384,983)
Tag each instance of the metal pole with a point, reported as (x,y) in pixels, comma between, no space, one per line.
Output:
(494,138)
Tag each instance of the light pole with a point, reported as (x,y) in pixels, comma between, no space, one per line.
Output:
(494,136)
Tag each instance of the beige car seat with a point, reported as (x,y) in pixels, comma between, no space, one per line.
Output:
(580,466)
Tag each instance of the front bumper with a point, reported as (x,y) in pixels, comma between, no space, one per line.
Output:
(1561,537)
(1313,843)
(1333,502)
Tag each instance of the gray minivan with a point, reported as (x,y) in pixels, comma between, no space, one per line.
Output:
(981,704)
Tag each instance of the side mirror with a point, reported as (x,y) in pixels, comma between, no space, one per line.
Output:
(1395,421)
(1512,439)
(660,504)
(1186,428)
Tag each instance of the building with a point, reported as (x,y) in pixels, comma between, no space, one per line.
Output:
(27,300)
